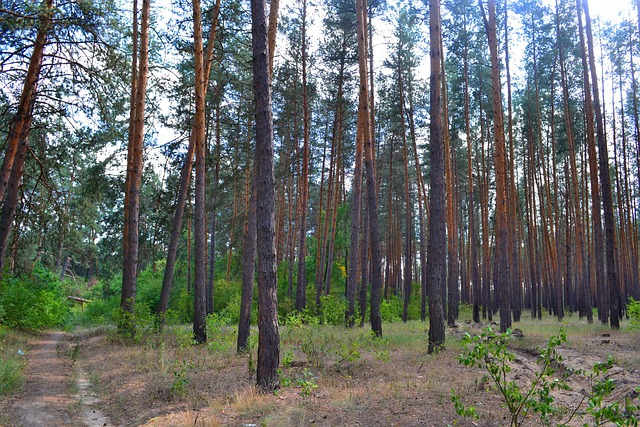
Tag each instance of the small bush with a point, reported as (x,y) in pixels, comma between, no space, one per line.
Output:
(391,309)
(489,351)
(633,310)
(12,360)
(332,310)
(10,375)
(32,302)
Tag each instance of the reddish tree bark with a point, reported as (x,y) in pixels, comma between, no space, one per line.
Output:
(140,72)
(499,159)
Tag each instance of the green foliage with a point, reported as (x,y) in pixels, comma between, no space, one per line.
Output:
(33,301)
(332,310)
(618,413)
(222,331)
(489,351)
(181,379)
(10,375)
(296,319)
(100,310)
(12,361)
(287,359)
(633,310)
(185,338)
(308,382)
(230,314)
(225,292)
(324,349)
(391,309)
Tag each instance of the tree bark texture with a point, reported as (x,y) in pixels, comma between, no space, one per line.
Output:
(436,251)
(501,261)
(605,181)
(268,340)
(364,118)
(25,105)
(134,171)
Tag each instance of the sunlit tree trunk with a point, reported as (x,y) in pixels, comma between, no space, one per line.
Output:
(605,181)
(365,131)
(21,118)
(596,205)
(499,158)
(200,238)
(185,179)
(582,284)
(301,288)
(12,192)
(514,222)
(140,65)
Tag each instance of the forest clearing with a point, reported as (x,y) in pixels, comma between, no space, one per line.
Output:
(329,377)
(349,212)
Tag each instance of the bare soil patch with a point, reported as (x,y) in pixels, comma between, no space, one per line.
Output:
(53,393)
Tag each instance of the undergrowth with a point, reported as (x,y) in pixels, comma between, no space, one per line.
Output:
(13,347)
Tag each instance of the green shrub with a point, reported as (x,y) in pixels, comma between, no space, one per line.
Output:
(32,302)
(332,309)
(231,312)
(489,351)
(633,310)
(391,309)
(101,311)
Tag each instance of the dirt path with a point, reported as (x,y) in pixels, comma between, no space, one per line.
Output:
(56,392)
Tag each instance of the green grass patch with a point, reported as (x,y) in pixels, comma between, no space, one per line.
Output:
(13,346)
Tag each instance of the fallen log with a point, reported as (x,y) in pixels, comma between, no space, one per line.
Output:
(79,300)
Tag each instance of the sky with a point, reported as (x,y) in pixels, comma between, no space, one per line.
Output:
(609,10)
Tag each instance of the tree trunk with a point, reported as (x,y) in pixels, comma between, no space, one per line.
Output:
(134,172)
(605,181)
(408,276)
(301,287)
(514,222)
(453,261)
(473,253)
(200,276)
(581,282)
(362,133)
(436,252)
(214,217)
(249,255)
(21,119)
(502,227)
(365,132)
(248,273)
(13,188)
(596,205)
(185,179)
(268,338)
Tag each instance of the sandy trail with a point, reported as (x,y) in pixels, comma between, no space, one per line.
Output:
(55,393)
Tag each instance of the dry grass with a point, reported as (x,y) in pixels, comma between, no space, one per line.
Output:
(360,379)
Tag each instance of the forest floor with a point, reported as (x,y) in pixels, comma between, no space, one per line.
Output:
(330,377)
(56,391)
